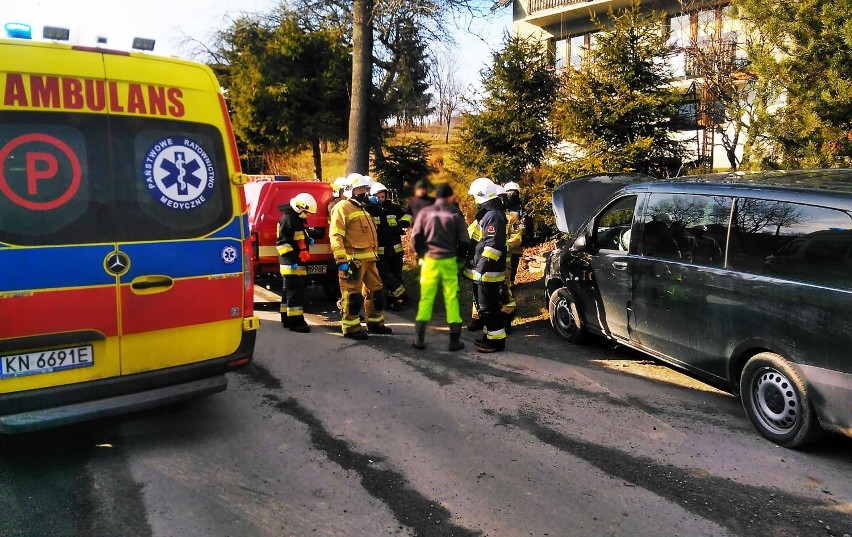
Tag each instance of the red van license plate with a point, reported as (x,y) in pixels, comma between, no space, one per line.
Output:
(33,363)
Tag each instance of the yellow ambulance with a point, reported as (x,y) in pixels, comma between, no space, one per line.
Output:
(125,277)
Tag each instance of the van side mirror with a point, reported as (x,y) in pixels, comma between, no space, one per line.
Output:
(580,243)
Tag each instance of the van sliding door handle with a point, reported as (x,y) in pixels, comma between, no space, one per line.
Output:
(146,285)
(619,265)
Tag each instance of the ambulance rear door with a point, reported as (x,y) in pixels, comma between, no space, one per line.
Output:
(178,217)
(58,294)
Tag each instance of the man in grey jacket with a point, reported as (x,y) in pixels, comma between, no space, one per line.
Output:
(439,237)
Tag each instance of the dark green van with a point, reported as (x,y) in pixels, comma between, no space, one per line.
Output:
(744,283)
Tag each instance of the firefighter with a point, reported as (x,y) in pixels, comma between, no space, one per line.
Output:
(515,229)
(292,246)
(337,188)
(486,262)
(354,245)
(387,216)
(420,200)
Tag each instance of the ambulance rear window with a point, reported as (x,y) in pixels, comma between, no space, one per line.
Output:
(83,178)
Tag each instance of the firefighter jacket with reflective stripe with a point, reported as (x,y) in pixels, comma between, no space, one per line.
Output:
(515,230)
(388,219)
(291,241)
(352,232)
(486,261)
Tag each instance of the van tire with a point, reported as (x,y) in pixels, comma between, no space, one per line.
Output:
(777,401)
(564,317)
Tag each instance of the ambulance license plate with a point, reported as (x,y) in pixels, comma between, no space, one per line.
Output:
(34,363)
(317,269)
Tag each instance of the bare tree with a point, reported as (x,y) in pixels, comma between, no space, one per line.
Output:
(449,88)
(730,98)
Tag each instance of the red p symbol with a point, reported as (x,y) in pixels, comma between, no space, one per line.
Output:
(34,174)
(40,165)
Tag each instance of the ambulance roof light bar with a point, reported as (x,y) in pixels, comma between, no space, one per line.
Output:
(141,43)
(19,30)
(56,34)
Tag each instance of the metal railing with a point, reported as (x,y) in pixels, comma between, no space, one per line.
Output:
(720,58)
(541,5)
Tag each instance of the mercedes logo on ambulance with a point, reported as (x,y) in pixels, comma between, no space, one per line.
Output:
(117,263)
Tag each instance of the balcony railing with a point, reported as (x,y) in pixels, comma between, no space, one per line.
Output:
(541,5)
(719,58)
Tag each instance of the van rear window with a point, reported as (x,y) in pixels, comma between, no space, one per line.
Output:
(82,178)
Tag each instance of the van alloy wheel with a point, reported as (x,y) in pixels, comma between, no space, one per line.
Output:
(563,316)
(777,401)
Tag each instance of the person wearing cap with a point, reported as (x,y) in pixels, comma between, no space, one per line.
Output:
(486,262)
(439,237)
(292,246)
(420,200)
(354,245)
(387,216)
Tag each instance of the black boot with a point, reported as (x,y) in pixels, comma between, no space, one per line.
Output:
(379,328)
(475,325)
(420,335)
(455,337)
(285,322)
(298,324)
(490,345)
(359,335)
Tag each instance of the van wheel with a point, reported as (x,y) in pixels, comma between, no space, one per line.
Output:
(777,401)
(564,316)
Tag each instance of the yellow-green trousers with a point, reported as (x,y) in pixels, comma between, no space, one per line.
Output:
(435,273)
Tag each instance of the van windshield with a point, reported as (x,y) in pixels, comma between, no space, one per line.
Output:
(84,178)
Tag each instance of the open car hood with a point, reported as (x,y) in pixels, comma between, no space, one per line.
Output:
(576,199)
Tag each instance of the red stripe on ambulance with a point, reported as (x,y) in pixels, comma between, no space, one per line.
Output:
(189,302)
(45,313)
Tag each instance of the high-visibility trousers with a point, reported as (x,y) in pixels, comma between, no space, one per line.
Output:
(351,298)
(487,302)
(443,273)
(292,301)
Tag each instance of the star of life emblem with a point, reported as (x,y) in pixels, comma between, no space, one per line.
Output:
(179,173)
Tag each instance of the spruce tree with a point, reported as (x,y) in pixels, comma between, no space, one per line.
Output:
(617,109)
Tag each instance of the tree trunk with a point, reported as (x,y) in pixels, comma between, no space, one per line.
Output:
(358,154)
(449,120)
(315,146)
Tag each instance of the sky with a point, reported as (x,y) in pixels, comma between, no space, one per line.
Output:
(170,22)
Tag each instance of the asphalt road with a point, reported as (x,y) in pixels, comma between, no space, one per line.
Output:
(326,436)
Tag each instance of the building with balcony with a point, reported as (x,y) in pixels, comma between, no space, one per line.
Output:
(705,35)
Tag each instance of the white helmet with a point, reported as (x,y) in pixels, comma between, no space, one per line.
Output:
(482,190)
(376,188)
(304,203)
(499,189)
(359,181)
(338,184)
(511,185)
